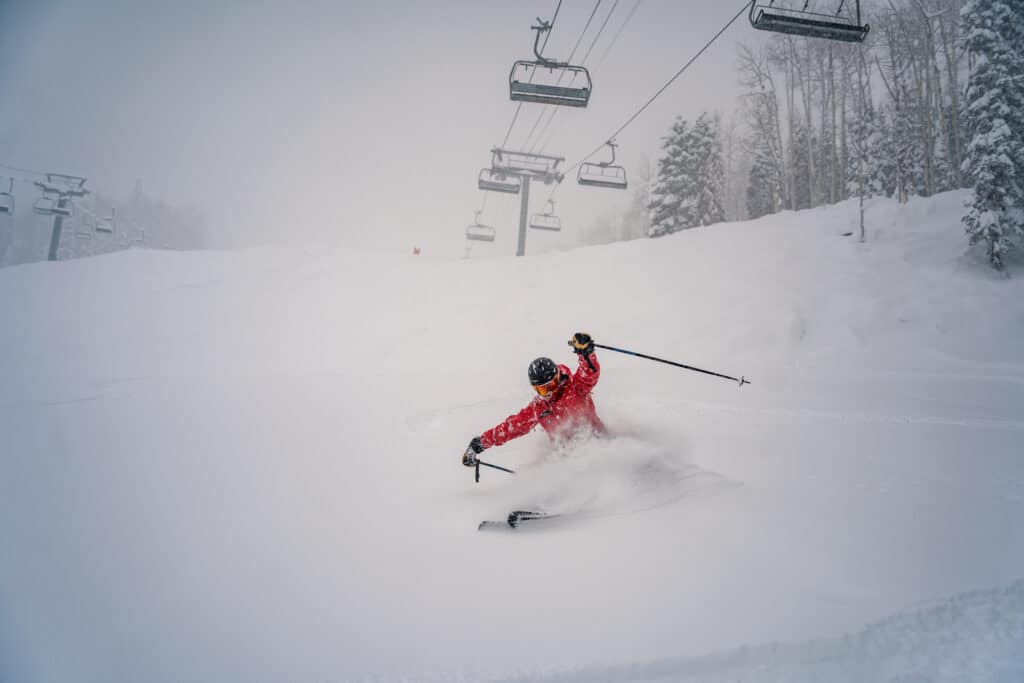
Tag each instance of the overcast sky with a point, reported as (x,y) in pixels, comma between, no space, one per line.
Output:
(357,123)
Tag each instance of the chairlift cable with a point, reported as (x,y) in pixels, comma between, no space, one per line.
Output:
(29,171)
(583,61)
(618,33)
(599,32)
(656,95)
(571,56)
(22,170)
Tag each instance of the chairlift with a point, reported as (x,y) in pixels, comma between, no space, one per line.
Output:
(540,81)
(7,198)
(83,234)
(495,181)
(48,206)
(105,225)
(803,22)
(547,220)
(480,232)
(603,174)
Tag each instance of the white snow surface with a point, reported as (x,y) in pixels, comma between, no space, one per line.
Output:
(245,466)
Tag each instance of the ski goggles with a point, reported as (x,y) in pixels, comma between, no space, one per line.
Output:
(548,388)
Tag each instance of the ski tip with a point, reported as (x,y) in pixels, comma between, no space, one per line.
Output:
(488,525)
(516,519)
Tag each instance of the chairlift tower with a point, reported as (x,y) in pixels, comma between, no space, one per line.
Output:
(58,190)
(525,166)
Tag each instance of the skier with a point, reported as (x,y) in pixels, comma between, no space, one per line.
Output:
(562,406)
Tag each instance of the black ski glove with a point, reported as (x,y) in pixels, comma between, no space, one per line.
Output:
(582,343)
(474,449)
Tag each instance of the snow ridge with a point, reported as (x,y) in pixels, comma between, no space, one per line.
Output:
(973,636)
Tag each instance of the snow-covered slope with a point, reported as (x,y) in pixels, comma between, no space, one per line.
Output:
(245,466)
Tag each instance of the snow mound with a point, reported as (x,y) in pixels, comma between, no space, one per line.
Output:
(233,466)
(975,636)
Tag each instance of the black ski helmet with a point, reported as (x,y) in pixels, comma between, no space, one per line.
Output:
(542,371)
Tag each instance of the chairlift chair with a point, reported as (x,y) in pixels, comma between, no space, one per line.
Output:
(803,22)
(547,220)
(480,232)
(540,80)
(105,225)
(494,181)
(7,199)
(603,174)
(48,206)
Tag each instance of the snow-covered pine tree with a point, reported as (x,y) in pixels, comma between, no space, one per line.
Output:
(801,165)
(994,117)
(710,171)
(763,190)
(690,178)
(882,173)
(876,135)
(670,185)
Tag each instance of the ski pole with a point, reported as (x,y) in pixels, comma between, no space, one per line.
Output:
(742,380)
(487,464)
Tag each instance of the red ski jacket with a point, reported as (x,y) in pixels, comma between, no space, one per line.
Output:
(570,409)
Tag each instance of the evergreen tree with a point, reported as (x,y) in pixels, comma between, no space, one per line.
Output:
(670,185)
(709,172)
(801,166)
(690,178)
(763,191)
(994,159)
(882,171)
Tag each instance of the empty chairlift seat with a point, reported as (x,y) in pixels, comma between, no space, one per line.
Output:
(106,224)
(546,81)
(48,206)
(479,232)
(547,220)
(493,181)
(562,85)
(7,199)
(603,174)
(804,22)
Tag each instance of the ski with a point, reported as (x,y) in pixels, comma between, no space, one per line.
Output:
(515,519)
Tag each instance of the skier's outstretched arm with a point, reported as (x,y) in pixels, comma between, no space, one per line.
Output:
(512,427)
(588,370)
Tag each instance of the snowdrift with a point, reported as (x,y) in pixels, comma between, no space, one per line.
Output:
(245,465)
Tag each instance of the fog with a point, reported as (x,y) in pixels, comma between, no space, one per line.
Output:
(358,124)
